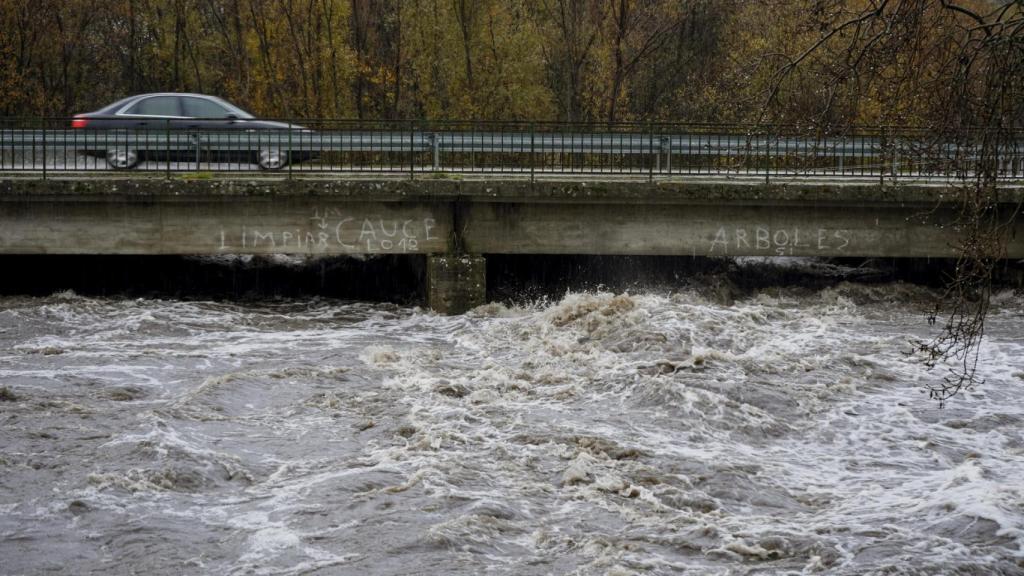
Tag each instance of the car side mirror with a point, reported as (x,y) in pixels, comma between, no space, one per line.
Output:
(231,117)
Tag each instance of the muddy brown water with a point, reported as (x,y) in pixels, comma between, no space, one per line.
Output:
(599,433)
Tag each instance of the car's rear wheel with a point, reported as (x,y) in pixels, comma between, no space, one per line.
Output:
(122,158)
(270,159)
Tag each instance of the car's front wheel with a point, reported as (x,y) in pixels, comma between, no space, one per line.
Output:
(270,159)
(122,158)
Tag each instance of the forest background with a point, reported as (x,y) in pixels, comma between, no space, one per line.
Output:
(566,60)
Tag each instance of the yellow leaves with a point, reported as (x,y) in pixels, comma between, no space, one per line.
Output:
(707,60)
(483,62)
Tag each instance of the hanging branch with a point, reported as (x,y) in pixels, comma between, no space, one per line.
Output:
(979,108)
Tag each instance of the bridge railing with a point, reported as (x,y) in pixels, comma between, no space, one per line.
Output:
(51,146)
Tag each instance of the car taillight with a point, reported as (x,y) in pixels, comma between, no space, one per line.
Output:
(79,122)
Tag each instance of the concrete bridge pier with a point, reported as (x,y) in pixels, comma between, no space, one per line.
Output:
(456,283)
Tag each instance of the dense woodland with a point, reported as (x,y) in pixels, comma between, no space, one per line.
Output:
(829,62)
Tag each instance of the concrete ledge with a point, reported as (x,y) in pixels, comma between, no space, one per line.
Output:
(494,189)
(483,216)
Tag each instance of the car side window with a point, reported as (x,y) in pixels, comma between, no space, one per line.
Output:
(156,106)
(203,108)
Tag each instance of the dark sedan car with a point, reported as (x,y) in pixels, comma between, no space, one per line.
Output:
(185,126)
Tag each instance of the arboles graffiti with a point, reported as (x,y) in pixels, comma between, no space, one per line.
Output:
(333,231)
(778,241)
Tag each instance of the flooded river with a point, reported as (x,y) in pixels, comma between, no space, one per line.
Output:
(598,433)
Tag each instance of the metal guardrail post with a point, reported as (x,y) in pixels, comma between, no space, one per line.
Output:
(412,155)
(882,143)
(650,147)
(167,141)
(533,152)
(657,154)
(288,158)
(895,160)
(44,149)
(666,148)
(435,150)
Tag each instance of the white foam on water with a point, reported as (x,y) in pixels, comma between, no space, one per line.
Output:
(602,433)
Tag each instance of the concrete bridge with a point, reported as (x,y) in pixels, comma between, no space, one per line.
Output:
(455,221)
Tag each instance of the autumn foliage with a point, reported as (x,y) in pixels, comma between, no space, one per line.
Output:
(576,60)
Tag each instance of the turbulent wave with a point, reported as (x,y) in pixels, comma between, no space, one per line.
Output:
(601,433)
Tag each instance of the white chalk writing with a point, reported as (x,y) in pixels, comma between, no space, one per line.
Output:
(778,241)
(332,230)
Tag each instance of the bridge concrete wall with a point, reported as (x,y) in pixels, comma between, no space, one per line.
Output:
(330,217)
(705,230)
(222,226)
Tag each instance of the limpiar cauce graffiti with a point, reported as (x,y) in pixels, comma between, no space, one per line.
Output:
(333,231)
